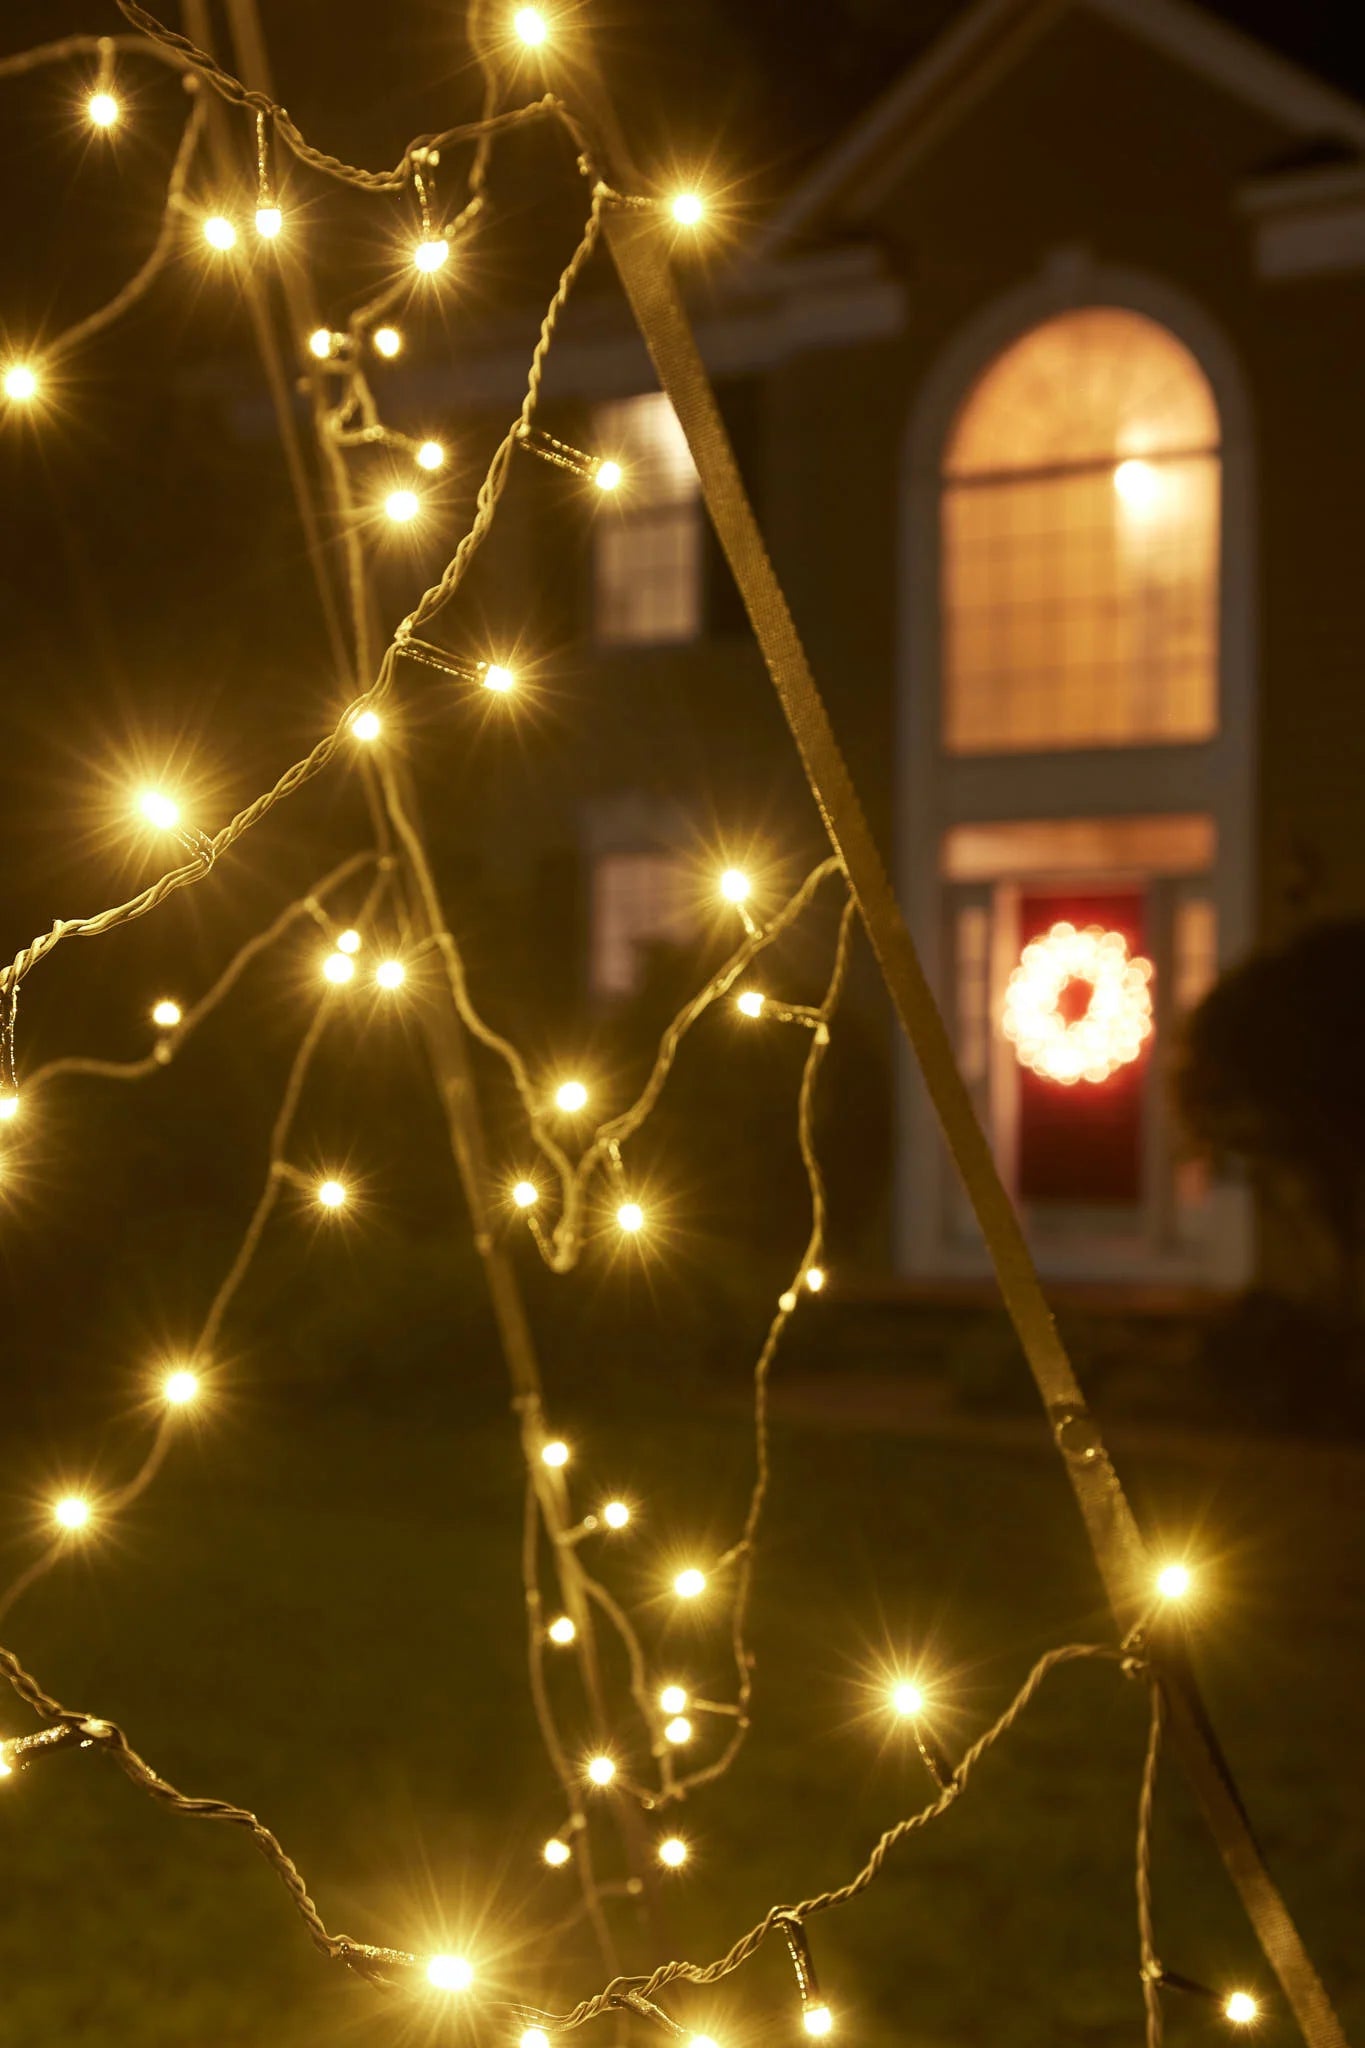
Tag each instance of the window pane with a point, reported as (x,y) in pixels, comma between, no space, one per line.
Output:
(638,899)
(648,539)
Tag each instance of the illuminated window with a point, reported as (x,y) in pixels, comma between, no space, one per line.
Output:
(648,536)
(1080,536)
(639,900)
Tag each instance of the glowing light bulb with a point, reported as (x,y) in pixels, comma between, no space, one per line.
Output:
(689,1583)
(786,1301)
(534,2037)
(907,1699)
(430,455)
(269,221)
(9,1108)
(607,475)
(554,1454)
(332,1194)
(430,254)
(348,942)
(631,1217)
(678,1730)
(616,1514)
(102,108)
(571,1096)
(818,2019)
(21,383)
(402,506)
(687,209)
(601,1769)
(388,341)
(320,343)
(530,26)
(1241,2008)
(562,1630)
(338,968)
(701,2041)
(166,1013)
(72,1511)
(526,1194)
(450,1973)
(7,1771)
(1173,1581)
(1138,484)
(496,677)
(673,1699)
(556,1853)
(159,810)
(390,974)
(366,725)
(751,1002)
(673,1852)
(734,886)
(219,232)
(814,1277)
(180,1387)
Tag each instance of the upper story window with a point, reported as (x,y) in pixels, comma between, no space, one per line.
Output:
(647,545)
(1080,543)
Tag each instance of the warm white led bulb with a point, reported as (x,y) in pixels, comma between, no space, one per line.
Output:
(496,677)
(430,254)
(734,885)
(180,1387)
(554,1454)
(814,1277)
(102,108)
(631,1217)
(388,341)
(9,1107)
(348,941)
(269,221)
(616,1514)
(571,1096)
(430,455)
(366,725)
(561,1630)
(72,1511)
(320,343)
(7,1771)
(21,383)
(556,1853)
(673,1852)
(450,1973)
(679,1730)
(402,506)
(687,209)
(159,810)
(673,1699)
(390,974)
(1173,1581)
(601,1769)
(332,1194)
(530,26)
(534,2037)
(166,1013)
(1138,484)
(338,968)
(818,2019)
(219,232)
(526,1194)
(1241,2008)
(607,475)
(689,1583)
(751,1002)
(907,1699)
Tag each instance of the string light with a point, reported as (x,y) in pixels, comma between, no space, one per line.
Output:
(72,1511)
(219,232)
(561,1630)
(402,506)
(607,475)
(601,1769)
(689,1583)
(571,1096)
(431,253)
(814,1277)
(7,1771)
(631,1217)
(496,677)
(321,343)
(430,455)
(21,383)
(9,1106)
(180,1387)
(815,2013)
(818,2019)
(159,810)
(1173,1581)
(103,109)
(556,1852)
(388,341)
(366,725)
(735,886)
(535,2037)
(332,1194)
(616,1514)
(687,209)
(751,1002)
(450,1973)
(673,1699)
(338,968)
(673,1852)
(269,221)
(1241,2008)
(526,1194)
(166,1013)
(1110,994)
(555,1454)
(530,26)
(390,974)
(907,1699)
(679,1730)
(349,941)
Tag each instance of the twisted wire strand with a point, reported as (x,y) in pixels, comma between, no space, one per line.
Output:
(1147,1956)
(67,47)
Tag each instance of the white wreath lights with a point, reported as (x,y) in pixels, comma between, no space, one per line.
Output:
(1116,1020)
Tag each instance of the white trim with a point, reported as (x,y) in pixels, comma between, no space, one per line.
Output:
(933,792)
(1244,68)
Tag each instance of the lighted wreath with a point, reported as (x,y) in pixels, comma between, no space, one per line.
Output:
(1078,1006)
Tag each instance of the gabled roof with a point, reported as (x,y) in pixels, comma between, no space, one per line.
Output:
(994,35)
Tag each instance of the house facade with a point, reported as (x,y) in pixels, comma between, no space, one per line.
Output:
(1047,381)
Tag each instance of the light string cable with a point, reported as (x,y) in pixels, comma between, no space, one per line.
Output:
(71,1728)
(279,1174)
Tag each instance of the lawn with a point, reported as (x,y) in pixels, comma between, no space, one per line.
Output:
(317,1613)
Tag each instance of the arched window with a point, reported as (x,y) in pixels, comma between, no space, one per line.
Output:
(1080,543)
